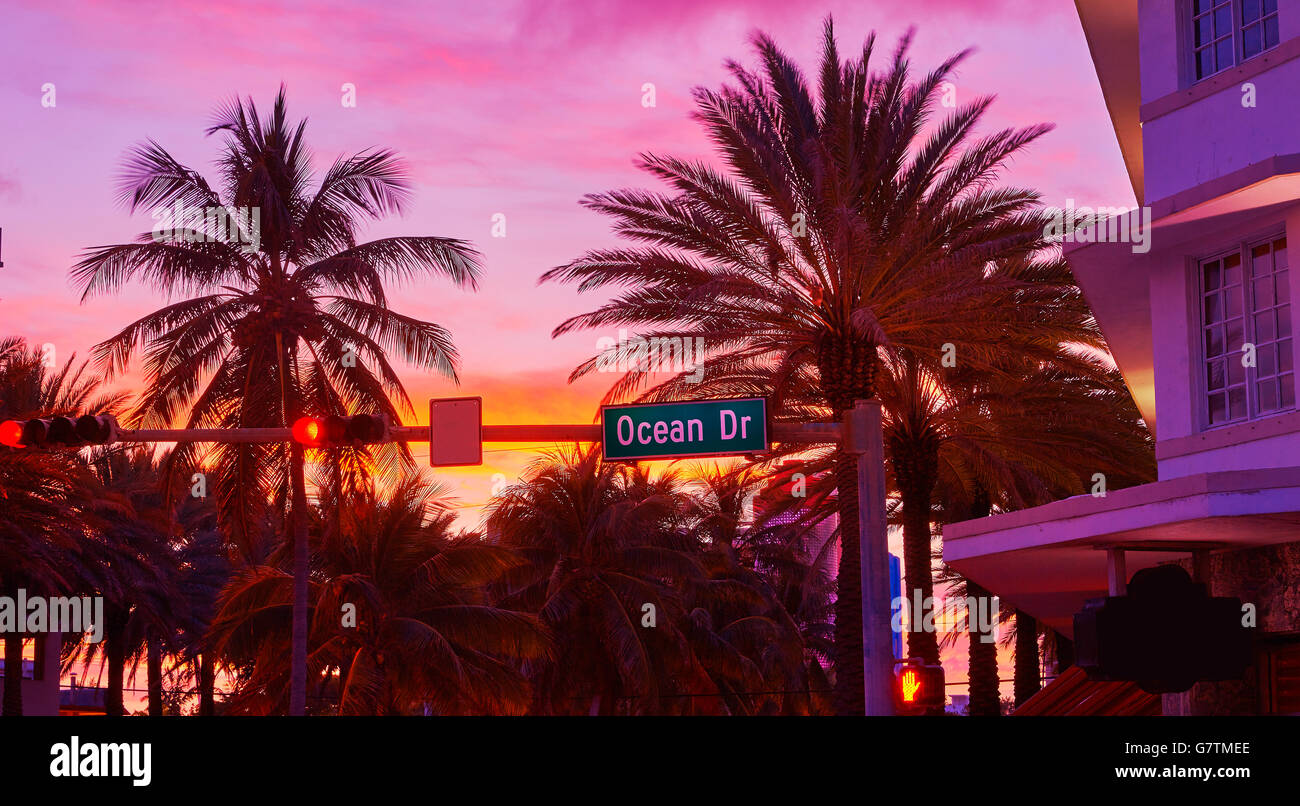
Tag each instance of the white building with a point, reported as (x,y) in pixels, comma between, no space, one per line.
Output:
(1203,98)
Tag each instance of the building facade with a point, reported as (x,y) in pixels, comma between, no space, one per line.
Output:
(1198,313)
(40,675)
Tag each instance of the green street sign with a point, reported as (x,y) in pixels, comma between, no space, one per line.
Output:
(687,429)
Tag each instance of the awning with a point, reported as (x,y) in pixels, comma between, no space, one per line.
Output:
(1073,694)
(1049,560)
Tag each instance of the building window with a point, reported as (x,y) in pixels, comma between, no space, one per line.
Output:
(1227,32)
(1245,303)
(1211,36)
(1258,26)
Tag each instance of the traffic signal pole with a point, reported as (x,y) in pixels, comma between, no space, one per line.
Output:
(860,433)
(793,433)
(864,438)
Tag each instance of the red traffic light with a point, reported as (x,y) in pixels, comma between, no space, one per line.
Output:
(11,434)
(336,431)
(309,431)
(59,432)
(917,687)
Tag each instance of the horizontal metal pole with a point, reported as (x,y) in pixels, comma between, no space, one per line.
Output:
(228,435)
(794,433)
(807,433)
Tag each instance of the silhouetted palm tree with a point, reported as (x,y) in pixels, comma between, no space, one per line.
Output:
(44,495)
(401,623)
(843,227)
(129,551)
(740,627)
(294,321)
(1027,431)
(605,547)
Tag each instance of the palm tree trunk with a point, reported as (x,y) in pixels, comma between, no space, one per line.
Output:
(850,692)
(297,527)
(345,669)
(13,702)
(207,685)
(917,541)
(984,696)
(115,651)
(154,670)
(301,556)
(1027,681)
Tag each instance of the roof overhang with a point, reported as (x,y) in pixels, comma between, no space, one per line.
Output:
(1049,560)
(1111,28)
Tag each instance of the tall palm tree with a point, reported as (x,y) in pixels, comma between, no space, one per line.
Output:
(842,226)
(1028,431)
(298,323)
(44,495)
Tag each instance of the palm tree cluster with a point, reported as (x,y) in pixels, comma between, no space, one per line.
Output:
(851,243)
(855,244)
(96,525)
(655,592)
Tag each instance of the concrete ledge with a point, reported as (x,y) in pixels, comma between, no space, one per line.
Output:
(1200,486)
(1232,78)
(1229,435)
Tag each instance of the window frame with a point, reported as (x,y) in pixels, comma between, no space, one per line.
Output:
(1242,249)
(1236,7)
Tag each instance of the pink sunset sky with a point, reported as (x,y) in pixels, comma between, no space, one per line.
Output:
(513,108)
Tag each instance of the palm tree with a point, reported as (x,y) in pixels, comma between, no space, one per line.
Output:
(205,569)
(1031,435)
(297,323)
(844,227)
(135,544)
(744,626)
(1027,431)
(654,591)
(1026,678)
(401,624)
(605,547)
(44,495)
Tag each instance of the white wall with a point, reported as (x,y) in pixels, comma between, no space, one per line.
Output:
(1175,334)
(1216,135)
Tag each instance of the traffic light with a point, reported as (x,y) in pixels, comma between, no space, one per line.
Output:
(1165,634)
(59,432)
(335,431)
(917,687)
